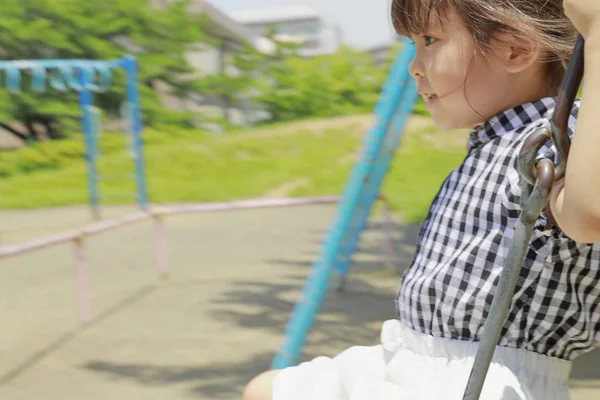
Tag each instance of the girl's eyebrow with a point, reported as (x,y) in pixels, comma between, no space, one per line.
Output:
(434,24)
(429,30)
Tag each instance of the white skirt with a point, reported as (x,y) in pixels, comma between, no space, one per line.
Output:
(415,366)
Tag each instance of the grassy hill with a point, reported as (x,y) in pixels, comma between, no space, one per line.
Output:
(306,158)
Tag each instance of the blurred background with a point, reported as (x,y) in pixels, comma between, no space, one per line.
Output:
(263,100)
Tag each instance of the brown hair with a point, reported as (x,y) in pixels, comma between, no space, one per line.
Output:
(541,20)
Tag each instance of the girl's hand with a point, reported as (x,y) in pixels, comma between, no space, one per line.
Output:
(585,15)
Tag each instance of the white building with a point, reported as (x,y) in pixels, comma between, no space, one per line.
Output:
(211,59)
(315,34)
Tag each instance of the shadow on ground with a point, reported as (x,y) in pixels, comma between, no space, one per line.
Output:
(215,381)
(71,335)
(368,295)
(351,317)
(347,318)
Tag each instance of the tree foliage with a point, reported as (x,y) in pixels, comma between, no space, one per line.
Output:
(294,87)
(287,86)
(282,85)
(97,30)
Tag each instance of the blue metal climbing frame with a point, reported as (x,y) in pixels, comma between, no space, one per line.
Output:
(88,77)
(362,188)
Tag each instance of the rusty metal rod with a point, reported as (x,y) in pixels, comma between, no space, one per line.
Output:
(564,104)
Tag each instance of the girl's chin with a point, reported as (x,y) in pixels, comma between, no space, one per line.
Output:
(446,123)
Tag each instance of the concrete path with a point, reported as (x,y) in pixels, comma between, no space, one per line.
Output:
(203,333)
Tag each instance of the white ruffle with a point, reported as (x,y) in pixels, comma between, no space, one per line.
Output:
(409,365)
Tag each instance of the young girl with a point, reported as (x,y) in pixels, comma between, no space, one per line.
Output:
(494,66)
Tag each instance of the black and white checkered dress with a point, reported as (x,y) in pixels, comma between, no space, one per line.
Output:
(464,241)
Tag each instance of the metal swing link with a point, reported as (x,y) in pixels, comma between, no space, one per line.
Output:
(539,177)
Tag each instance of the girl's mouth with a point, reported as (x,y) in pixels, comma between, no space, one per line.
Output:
(429,98)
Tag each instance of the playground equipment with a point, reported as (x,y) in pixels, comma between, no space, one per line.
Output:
(78,76)
(88,77)
(362,188)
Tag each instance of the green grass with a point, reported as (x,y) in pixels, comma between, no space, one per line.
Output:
(287,160)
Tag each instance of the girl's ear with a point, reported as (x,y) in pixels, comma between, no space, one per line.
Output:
(516,54)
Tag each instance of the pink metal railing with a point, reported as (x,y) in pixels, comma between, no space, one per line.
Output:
(77,237)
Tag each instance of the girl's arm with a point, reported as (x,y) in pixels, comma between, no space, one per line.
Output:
(575,203)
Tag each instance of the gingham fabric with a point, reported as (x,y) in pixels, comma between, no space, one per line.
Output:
(464,242)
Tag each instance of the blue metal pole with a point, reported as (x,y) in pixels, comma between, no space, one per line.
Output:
(133,100)
(87,123)
(397,129)
(317,284)
(79,75)
(379,171)
(32,64)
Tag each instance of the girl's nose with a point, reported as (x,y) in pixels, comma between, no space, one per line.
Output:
(416,68)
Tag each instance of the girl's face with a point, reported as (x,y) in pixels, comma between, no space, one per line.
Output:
(460,86)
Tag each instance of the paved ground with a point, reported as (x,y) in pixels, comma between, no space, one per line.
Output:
(200,335)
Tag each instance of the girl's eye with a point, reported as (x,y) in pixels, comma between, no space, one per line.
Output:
(429,40)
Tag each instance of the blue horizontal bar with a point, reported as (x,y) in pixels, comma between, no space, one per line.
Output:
(31,64)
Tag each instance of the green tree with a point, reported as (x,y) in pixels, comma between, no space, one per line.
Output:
(293,87)
(288,86)
(251,77)
(234,83)
(107,29)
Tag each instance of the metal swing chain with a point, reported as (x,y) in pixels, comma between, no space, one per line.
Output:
(539,177)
